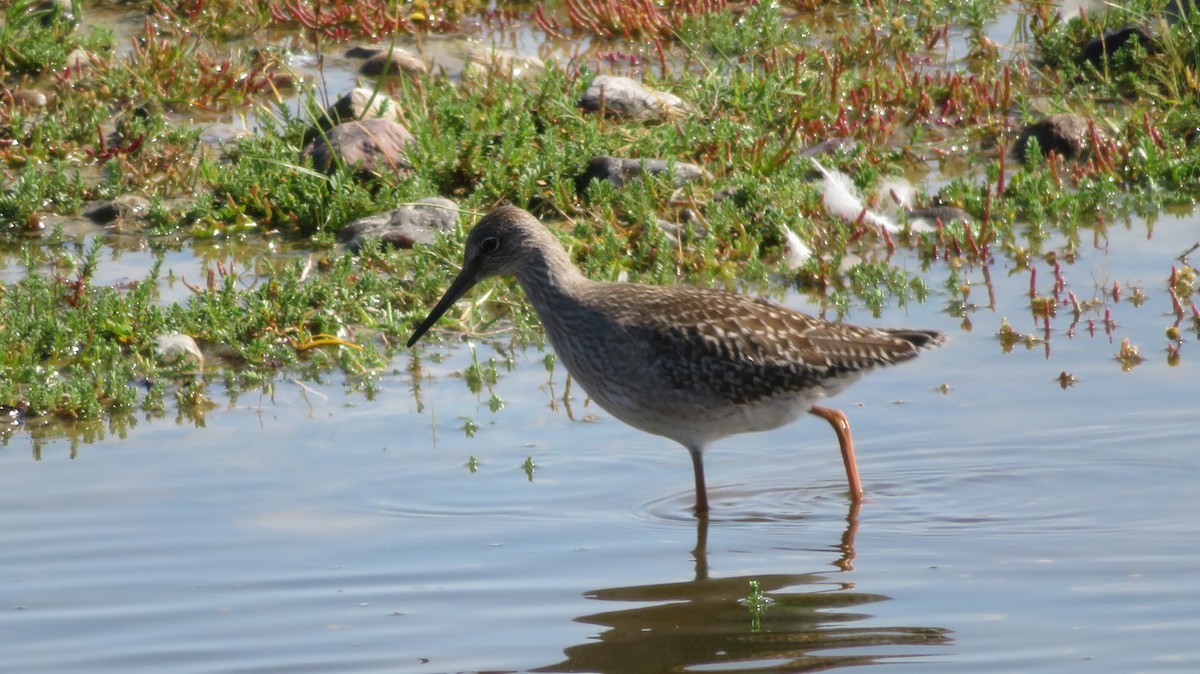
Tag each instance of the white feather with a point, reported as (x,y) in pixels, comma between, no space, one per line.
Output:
(796,253)
(842,198)
(894,196)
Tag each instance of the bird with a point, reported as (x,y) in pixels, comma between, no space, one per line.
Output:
(691,364)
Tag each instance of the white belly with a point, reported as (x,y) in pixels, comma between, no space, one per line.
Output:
(695,423)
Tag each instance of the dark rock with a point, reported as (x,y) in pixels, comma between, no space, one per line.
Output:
(373,147)
(1065,134)
(404,227)
(360,103)
(394,61)
(127,209)
(363,51)
(739,195)
(624,97)
(1098,49)
(620,171)
(1179,10)
(54,11)
(356,232)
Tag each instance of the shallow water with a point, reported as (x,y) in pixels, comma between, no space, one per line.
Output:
(1009,525)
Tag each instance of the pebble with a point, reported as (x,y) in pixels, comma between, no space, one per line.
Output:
(29,98)
(1066,134)
(394,61)
(127,210)
(624,97)
(618,172)
(360,103)
(373,147)
(403,227)
(1098,49)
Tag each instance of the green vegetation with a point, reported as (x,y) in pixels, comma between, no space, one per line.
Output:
(757,604)
(761,84)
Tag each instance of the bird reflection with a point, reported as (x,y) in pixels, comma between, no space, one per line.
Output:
(845,560)
(675,627)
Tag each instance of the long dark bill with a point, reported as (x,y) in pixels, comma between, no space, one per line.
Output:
(466,279)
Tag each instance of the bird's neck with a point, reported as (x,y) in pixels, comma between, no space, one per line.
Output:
(552,279)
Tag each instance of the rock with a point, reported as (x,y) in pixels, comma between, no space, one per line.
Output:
(1179,10)
(1098,49)
(624,97)
(29,98)
(404,227)
(620,171)
(127,210)
(361,52)
(53,11)
(682,232)
(79,59)
(360,103)
(355,233)
(373,147)
(484,60)
(1065,134)
(739,195)
(394,61)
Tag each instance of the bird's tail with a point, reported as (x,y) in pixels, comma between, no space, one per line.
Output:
(922,339)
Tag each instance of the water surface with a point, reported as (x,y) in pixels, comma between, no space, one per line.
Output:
(1009,525)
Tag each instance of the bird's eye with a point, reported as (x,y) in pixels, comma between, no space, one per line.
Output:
(490,245)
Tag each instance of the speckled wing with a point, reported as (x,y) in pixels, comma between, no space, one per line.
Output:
(755,348)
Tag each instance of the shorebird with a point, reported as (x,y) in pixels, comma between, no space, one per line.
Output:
(691,364)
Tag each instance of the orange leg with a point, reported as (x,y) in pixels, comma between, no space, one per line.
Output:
(841,426)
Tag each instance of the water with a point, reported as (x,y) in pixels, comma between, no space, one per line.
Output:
(1009,525)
